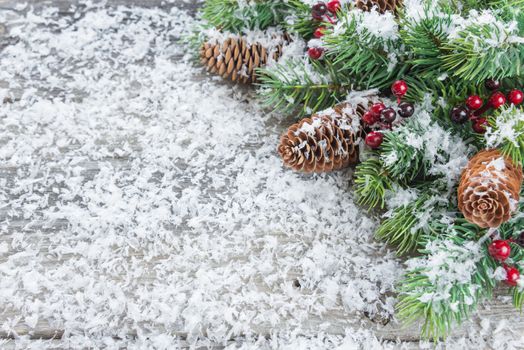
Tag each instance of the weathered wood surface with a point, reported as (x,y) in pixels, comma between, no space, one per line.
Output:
(334,321)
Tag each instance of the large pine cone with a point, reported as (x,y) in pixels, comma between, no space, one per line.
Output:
(489,189)
(381,5)
(236,59)
(324,142)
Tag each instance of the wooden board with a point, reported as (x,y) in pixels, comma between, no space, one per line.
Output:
(334,321)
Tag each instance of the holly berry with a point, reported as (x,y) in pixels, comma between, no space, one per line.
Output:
(512,275)
(479,125)
(319,32)
(516,97)
(388,115)
(459,114)
(497,100)
(315,52)
(333,6)
(374,139)
(406,109)
(474,102)
(499,250)
(377,108)
(492,84)
(318,10)
(369,118)
(399,88)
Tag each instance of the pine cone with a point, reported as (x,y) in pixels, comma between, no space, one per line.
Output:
(381,5)
(237,60)
(324,142)
(489,189)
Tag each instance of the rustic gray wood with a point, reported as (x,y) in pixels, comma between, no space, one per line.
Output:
(338,320)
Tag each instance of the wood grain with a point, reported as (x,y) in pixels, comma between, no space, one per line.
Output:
(337,320)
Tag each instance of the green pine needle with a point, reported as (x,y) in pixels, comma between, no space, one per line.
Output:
(315,86)
(506,132)
(406,227)
(431,290)
(229,15)
(473,56)
(371,182)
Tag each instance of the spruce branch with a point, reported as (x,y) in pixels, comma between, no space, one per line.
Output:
(518,297)
(361,53)
(483,51)
(316,85)
(233,16)
(408,226)
(371,182)
(401,159)
(506,132)
(424,41)
(445,284)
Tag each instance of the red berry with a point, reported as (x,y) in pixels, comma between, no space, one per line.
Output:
(318,10)
(399,88)
(512,275)
(474,102)
(492,84)
(333,6)
(499,250)
(459,114)
(315,52)
(377,108)
(319,32)
(479,125)
(369,118)
(374,139)
(388,115)
(516,97)
(406,109)
(497,100)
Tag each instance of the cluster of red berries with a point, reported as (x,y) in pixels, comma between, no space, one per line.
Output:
(500,250)
(322,12)
(475,106)
(381,117)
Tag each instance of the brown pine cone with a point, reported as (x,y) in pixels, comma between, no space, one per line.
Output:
(236,59)
(381,5)
(324,142)
(489,189)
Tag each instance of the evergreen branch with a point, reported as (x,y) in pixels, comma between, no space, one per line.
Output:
(506,132)
(407,227)
(424,40)
(358,52)
(230,15)
(518,298)
(444,286)
(315,85)
(484,51)
(402,160)
(371,183)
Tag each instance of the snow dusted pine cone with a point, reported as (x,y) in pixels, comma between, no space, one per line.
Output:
(489,189)
(381,5)
(324,142)
(234,58)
